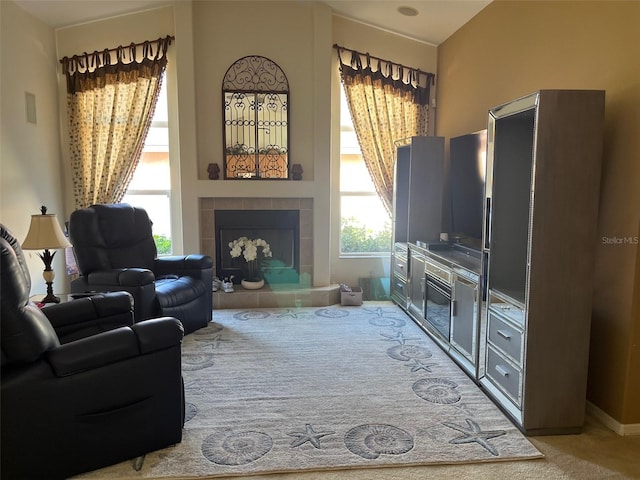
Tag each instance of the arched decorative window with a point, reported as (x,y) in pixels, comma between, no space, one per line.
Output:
(255,94)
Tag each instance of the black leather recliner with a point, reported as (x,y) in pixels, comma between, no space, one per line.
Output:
(115,250)
(72,399)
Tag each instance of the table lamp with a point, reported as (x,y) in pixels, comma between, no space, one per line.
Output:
(45,233)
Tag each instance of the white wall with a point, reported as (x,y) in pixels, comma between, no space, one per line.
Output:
(30,167)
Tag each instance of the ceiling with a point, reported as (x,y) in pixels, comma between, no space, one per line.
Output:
(434,22)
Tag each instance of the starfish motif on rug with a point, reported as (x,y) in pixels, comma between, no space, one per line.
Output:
(474,434)
(417,365)
(379,311)
(216,341)
(309,435)
(288,313)
(398,337)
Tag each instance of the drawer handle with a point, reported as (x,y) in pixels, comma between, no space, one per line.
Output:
(504,334)
(502,371)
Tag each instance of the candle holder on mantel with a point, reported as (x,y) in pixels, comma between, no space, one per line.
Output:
(296,171)
(214,171)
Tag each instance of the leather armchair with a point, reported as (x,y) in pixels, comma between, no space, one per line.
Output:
(115,250)
(74,400)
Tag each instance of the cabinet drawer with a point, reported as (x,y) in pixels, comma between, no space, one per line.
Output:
(508,310)
(399,291)
(400,284)
(504,375)
(400,266)
(443,274)
(506,337)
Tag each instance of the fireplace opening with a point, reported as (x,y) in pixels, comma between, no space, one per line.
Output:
(279,228)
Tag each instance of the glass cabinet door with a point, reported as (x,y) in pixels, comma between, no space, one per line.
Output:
(512,137)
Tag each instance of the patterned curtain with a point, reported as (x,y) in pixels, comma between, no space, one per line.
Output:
(111,97)
(388,103)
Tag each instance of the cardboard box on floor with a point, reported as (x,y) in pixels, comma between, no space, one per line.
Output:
(350,296)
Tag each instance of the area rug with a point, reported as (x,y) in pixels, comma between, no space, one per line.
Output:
(292,389)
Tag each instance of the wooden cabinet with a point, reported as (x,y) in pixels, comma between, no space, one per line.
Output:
(543,163)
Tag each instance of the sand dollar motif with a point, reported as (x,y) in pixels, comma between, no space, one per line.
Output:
(387,322)
(409,352)
(199,361)
(251,315)
(437,390)
(332,313)
(370,441)
(236,448)
(190,411)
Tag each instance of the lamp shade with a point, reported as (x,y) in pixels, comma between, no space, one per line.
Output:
(45,233)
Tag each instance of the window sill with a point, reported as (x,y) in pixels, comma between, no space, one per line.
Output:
(364,255)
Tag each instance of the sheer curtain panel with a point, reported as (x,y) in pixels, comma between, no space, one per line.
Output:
(111,96)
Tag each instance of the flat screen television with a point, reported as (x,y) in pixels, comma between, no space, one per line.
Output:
(467,162)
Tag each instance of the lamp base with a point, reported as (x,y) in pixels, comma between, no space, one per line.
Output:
(50,297)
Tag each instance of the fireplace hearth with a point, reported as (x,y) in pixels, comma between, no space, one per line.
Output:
(279,228)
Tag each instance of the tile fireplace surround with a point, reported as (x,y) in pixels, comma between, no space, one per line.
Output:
(280,295)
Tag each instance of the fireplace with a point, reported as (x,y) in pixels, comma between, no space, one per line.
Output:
(279,228)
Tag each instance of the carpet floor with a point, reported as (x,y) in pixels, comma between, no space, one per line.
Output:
(302,389)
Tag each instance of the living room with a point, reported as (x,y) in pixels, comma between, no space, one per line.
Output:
(508,50)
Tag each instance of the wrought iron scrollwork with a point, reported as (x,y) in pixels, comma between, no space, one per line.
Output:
(256,128)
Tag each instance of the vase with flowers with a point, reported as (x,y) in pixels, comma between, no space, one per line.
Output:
(251,250)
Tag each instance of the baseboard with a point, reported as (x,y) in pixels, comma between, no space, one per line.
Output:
(612,423)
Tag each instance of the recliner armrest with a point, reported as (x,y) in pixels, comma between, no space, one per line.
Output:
(115,346)
(121,277)
(158,333)
(182,264)
(91,308)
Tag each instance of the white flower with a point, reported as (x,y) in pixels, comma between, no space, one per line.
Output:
(248,248)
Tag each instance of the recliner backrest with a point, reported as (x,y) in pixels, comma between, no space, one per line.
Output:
(108,236)
(26,333)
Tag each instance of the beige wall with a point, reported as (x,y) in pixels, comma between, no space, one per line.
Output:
(296,36)
(224,32)
(30,174)
(514,48)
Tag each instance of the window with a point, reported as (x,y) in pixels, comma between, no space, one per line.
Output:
(365,225)
(150,187)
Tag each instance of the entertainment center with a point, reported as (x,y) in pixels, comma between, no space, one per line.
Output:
(507,291)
